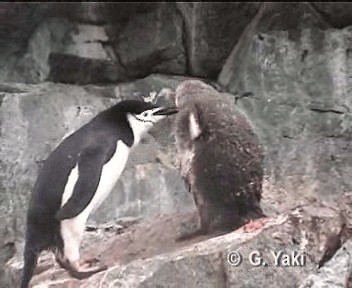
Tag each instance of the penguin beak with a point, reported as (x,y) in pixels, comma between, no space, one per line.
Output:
(163,111)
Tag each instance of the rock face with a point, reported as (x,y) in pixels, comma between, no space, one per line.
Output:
(61,50)
(338,16)
(82,49)
(110,42)
(287,66)
(295,87)
(336,273)
(210,42)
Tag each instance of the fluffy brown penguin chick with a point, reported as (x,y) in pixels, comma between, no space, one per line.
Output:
(219,157)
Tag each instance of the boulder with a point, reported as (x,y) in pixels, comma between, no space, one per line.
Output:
(62,50)
(127,41)
(152,42)
(142,38)
(211,30)
(65,43)
(293,83)
(337,14)
(336,273)
(290,18)
(18,20)
(99,13)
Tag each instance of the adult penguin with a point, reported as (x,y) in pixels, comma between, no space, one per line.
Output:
(76,178)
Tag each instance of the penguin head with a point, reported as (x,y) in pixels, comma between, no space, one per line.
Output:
(142,116)
(193,90)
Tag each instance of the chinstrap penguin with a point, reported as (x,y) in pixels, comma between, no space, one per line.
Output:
(76,178)
(219,158)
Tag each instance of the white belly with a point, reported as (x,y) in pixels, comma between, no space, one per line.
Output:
(73,229)
(110,174)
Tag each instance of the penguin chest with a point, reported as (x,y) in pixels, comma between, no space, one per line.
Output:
(110,174)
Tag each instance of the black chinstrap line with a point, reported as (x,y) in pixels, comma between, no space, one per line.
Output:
(145,121)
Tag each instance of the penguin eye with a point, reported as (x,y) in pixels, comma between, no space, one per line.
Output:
(145,114)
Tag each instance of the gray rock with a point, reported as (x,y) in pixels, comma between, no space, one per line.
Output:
(130,42)
(290,18)
(99,13)
(65,51)
(147,43)
(336,273)
(144,190)
(338,14)
(208,262)
(18,20)
(294,86)
(152,42)
(211,30)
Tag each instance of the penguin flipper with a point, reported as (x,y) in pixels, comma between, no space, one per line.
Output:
(194,126)
(90,165)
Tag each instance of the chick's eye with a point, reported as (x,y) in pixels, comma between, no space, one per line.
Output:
(144,114)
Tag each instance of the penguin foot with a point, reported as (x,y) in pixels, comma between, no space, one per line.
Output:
(89,262)
(254,225)
(82,269)
(87,272)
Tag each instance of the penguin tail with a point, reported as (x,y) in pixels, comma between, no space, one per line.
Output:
(37,240)
(30,262)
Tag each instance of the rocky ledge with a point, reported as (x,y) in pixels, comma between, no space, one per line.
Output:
(306,247)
